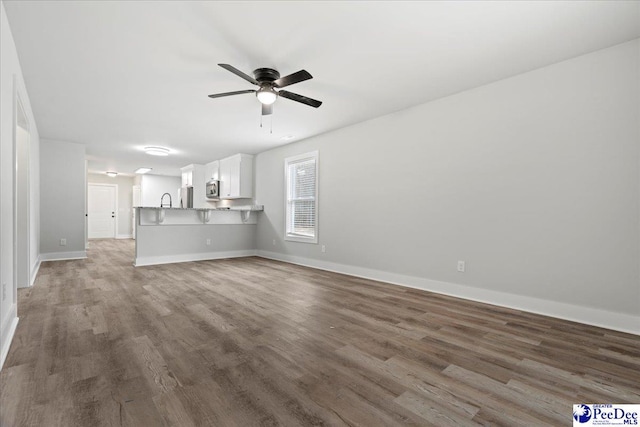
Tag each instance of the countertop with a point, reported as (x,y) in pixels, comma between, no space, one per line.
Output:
(253,208)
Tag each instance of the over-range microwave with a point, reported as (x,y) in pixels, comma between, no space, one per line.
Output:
(213,189)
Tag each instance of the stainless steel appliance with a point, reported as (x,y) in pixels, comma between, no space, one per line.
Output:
(186,197)
(213,189)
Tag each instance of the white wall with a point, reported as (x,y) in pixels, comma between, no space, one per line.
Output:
(125,200)
(532,180)
(12,85)
(63,198)
(179,243)
(152,187)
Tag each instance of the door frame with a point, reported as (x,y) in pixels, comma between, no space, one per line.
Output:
(115,209)
(21,210)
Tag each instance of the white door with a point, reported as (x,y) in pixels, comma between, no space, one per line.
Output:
(101,206)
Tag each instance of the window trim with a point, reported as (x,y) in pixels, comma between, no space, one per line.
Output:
(287,161)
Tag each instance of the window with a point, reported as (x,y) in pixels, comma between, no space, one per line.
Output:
(301,178)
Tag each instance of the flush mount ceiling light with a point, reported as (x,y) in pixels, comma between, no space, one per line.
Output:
(142,170)
(266,95)
(287,137)
(112,174)
(157,151)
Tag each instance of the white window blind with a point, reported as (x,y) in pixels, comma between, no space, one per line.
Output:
(301,209)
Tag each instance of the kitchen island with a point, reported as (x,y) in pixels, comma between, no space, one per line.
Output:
(168,235)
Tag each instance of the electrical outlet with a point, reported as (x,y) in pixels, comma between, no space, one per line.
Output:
(274,242)
(4,291)
(461,266)
(63,242)
(208,242)
(324,249)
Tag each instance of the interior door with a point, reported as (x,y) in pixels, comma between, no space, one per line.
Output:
(101,206)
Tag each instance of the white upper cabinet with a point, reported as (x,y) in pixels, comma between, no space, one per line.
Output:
(212,170)
(236,177)
(187,176)
(194,176)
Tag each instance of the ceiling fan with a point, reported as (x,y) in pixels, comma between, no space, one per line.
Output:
(269,80)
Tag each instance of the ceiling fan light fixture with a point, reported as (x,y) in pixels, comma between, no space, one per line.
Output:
(268,80)
(157,151)
(266,95)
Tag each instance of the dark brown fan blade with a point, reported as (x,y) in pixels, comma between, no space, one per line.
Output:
(267,109)
(239,73)
(238,92)
(298,77)
(303,99)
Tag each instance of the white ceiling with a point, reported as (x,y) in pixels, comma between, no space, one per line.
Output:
(118,76)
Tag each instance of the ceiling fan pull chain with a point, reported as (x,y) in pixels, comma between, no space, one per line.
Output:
(271,125)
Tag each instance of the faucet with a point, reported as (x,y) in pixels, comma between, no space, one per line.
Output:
(162,200)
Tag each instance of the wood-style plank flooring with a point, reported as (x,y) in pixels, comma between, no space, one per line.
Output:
(251,342)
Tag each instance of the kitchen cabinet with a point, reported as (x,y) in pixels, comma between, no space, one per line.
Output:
(187,176)
(236,177)
(212,170)
(194,176)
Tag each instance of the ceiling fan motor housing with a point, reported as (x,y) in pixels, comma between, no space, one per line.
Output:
(266,74)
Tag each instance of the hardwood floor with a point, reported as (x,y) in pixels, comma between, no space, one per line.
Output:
(245,342)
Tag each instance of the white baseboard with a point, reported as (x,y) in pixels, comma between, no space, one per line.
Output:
(34,271)
(170,259)
(124,236)
(587,315)
(61,256)
(7,332)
